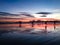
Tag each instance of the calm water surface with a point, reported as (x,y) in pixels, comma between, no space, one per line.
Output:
(28,34)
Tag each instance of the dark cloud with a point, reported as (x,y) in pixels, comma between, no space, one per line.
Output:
(5,14)
(43,13)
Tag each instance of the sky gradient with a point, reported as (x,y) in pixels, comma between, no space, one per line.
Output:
(31,6)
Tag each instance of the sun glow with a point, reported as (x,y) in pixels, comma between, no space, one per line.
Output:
(54,15)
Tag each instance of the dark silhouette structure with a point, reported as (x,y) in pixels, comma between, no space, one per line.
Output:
(38,22)
(20,23)
(32,22)
(54,25)
(45,26)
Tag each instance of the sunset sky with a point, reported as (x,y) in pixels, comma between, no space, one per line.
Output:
(31,7)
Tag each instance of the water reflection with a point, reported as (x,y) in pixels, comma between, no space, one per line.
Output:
(26,33)
(34,27)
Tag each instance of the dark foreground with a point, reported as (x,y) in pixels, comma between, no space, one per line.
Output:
(20,38)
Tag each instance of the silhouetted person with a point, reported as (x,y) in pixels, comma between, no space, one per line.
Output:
(20,23)
(54,25)
(45,26)
(32,23)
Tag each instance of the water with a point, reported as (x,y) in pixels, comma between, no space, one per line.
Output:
(28,34)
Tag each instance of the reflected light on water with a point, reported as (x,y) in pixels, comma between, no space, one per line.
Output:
(49,27)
